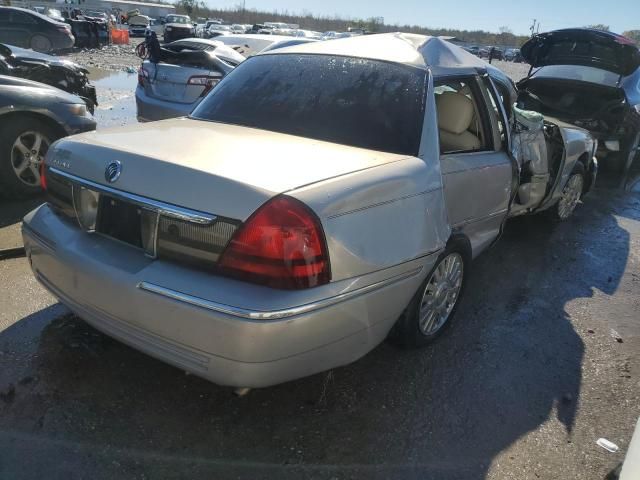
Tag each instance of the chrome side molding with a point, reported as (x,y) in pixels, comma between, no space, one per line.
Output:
(271,314)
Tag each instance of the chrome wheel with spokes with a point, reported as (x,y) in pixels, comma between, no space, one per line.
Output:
(27,154)
(441,294)
(570,196)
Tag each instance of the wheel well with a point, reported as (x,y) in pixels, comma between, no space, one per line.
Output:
(461,240)
(55,126)
(584,159)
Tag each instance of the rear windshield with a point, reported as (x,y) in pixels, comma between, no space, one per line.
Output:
(350,101)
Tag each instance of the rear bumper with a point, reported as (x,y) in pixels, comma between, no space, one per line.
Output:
(195,321)
(150,109)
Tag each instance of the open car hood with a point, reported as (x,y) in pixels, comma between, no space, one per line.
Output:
(583,46)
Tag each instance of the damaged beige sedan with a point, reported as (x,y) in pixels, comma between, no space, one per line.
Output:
(320,199)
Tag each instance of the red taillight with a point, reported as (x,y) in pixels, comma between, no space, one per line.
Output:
(64,29)
(281,245)
(207,82)
(142,76)
(43,179)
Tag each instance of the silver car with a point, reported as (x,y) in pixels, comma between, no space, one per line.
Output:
(32,116)
(189,69)
(322,198)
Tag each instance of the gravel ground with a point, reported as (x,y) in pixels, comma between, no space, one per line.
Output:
(111,57)
(543,360)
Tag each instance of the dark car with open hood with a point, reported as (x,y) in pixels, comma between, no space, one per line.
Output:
(589,78)
(55,71)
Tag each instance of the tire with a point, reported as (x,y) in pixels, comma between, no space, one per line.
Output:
(571,194)
(412,328)
(18,140)
(628,156)
(40,43)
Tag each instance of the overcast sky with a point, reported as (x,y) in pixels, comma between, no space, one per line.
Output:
(489,15)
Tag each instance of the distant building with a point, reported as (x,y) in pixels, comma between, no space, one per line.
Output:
(153,10)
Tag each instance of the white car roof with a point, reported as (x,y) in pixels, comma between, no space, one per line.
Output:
(417,50)
(223,51)
(256,43)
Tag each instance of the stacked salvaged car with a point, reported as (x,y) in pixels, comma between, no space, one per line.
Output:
(591,79)
(321,198)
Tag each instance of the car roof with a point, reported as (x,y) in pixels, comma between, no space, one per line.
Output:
(433,53)
(30,12)
(258,36)
(406,48)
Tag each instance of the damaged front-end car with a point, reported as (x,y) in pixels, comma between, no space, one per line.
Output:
(39,67)
(590,79)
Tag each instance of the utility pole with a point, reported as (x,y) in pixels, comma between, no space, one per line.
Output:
(533,27)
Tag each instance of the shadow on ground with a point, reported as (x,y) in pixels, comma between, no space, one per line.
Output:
(510,363)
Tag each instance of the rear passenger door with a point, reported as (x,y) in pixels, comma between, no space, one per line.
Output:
(476,168)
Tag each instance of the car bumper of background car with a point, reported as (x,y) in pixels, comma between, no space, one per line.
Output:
(62,42)
(175,314)
(77,124)
(150,109)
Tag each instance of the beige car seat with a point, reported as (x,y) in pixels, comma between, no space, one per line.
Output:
(455,117)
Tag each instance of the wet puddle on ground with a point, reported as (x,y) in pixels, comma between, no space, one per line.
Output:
(116,97)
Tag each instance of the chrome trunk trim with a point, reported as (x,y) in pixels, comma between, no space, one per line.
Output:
(166,209)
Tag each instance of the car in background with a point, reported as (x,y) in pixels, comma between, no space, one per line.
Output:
(288,43)
(495,53)
(250,44)
(188,70)
(591,79)
(238,28)
(32,116)
(512,54)
(216,30)
(138,25)
(177,27)
(29,29)
(474,50)
(55,71)
(96,15)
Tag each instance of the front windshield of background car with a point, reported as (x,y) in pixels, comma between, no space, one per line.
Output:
(580,73)
(171,19)
(351,101)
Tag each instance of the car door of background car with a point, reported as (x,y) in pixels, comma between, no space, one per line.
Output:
(7,33)
(476,169)
(22,27)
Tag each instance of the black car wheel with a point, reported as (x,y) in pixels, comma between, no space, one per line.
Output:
(23,144)
(631,153)
(40,43)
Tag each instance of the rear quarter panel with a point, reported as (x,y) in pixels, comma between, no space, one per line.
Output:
(388,215)
(381,217)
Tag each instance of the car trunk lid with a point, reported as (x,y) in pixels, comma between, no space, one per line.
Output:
(586,47)
(205,166)
(176,83)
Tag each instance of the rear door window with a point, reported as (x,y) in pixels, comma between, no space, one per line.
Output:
(351,101)
(22,18)
(462,122)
